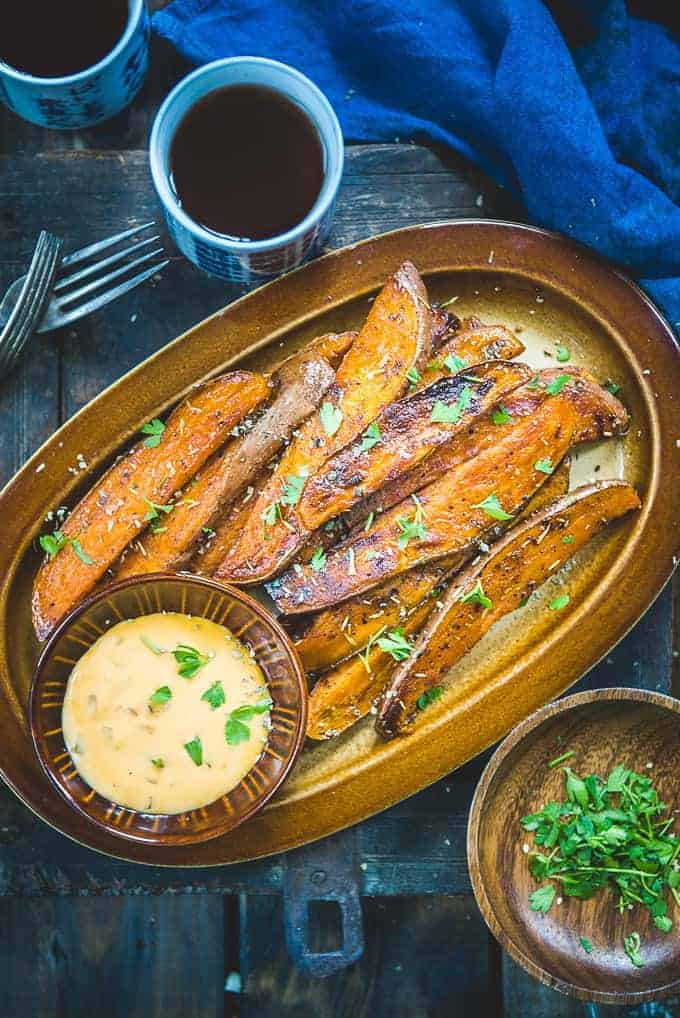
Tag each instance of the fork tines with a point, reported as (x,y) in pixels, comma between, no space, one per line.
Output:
(69,301)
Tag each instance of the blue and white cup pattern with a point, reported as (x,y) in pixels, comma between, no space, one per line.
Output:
(90,96)
(234,260)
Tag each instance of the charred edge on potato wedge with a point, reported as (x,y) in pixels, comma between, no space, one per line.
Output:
(330,636)
(507,576)
(395,338)
(448,515)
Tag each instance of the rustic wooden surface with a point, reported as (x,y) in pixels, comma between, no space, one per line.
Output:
(77,929)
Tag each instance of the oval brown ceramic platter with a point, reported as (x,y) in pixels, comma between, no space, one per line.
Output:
(551,289)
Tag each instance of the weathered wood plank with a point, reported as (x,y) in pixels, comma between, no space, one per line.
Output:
(126,958)
(426,958)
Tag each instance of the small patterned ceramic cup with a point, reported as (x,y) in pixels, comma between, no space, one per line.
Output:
(234,260)
(95,94)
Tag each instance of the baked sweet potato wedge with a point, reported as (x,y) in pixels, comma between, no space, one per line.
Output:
(332,346)
(497,585)
(464,504)
(349,691)
(404,433)
(395,338)
(340,631)
(300,384)
(118,507)
(601,414)
(472,342)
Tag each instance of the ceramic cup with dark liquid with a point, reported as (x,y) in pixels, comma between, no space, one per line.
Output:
(246,157)
(72,63)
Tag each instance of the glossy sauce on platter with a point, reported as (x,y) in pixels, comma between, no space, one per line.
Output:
(165,713)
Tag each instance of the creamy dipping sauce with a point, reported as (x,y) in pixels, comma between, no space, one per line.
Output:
(165,713)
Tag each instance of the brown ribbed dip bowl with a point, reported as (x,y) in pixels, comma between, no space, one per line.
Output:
(577,946)
(199,597)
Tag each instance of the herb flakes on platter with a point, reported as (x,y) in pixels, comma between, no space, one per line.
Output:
(608,833)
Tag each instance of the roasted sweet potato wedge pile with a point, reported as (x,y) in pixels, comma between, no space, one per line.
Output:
(465,503)
(335,633)
(398,489)
(499,583)
(136,490)
(395,340)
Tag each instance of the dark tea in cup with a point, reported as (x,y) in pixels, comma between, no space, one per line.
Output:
(246,162)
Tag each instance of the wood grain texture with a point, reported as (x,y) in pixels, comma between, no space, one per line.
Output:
(125,958)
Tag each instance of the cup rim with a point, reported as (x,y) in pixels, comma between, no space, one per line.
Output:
(135,10)
(169,200)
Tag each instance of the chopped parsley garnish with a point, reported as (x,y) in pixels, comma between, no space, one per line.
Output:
(608,833)
(214,695)
(632,945)
(209,532)
(443,413)
(558,603)
(161,696)
(369,521)
(154,429)
(396,644)
(412,529)
(610,386)
(534,383)
(501,415)
(189,660)
(413,376)
(428,697)
(155,508)
(545,466)
(236,730)
(53,543)
(151,645)
(195,750)
(493,508)
(568,539)
(318,560)
(555,387)
(292,489)
(330,417)
(478,596)
(562,353)
(561,759)
(370,437)
(78,549)
(351,563)
(372,640)
(586,945)
(542,898)
(454,364)
(271,514)
(158,762)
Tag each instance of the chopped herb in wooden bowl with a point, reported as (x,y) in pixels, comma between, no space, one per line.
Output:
(612,834)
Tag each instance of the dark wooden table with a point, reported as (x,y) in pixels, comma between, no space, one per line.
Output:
(81,933)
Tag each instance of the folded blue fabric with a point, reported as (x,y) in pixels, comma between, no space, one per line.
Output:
(581,118)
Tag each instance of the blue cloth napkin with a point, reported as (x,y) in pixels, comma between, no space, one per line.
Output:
(577,110)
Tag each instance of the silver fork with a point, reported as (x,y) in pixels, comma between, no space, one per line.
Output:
(32,293)
(68,303)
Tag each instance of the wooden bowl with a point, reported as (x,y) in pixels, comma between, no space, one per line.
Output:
(604,727)
(142,595)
